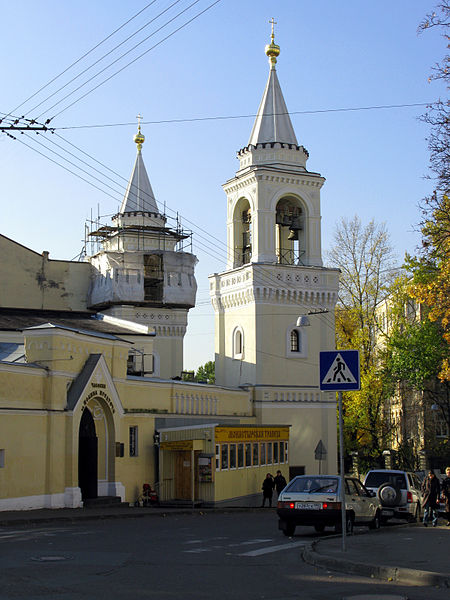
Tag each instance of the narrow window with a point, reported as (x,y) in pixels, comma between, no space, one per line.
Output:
(255,454)
(134,441)
(224,457)
(240,456)
(295,341)
(275,452)
(248,455)
(2,458)
(232,456)
(262,454)
(269,453)
(281,452)
(217,457)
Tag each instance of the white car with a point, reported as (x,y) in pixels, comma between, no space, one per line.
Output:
(398,491)
(315,500)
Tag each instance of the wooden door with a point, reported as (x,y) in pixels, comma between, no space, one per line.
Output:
(183,475)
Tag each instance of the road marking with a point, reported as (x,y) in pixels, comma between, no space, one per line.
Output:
(251,542)
(273,549)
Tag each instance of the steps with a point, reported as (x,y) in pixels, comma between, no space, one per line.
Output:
(104,502)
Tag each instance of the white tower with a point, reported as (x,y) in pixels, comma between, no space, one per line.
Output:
(142,273)
(275,274)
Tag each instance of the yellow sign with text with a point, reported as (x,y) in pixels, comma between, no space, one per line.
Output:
(249,434)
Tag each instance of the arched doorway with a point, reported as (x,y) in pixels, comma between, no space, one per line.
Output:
(87,456)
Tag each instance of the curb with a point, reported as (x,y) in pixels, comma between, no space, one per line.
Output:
(401,574)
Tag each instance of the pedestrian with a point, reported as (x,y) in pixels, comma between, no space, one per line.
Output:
(267,488)
(446,494)
(280,482)
(430,495)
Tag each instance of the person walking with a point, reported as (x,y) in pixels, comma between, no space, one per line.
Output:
(267,488)
(446,494)
(280,482)
(430,495)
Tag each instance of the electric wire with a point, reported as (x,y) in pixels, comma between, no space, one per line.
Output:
(253,115)
(188,22)
(108,53)
(83,56)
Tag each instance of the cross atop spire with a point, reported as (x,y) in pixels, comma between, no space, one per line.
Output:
(139,138)
(272,50)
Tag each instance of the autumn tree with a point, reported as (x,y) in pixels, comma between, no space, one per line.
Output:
(431,269)
(365,258)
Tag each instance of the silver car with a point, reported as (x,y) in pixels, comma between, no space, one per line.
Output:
(315,500)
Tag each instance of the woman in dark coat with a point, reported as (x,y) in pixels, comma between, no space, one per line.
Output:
(446,493)
(267,488)
(430,496)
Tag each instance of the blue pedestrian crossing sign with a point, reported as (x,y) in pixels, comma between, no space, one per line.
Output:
(339,370)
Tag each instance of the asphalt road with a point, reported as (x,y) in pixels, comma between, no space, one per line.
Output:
(239,556)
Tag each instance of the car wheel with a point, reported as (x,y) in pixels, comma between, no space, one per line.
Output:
(348,525)
(289,530)
(375,523)
(319,528)
(389,495)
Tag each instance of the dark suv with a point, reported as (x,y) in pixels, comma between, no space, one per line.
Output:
(398,491)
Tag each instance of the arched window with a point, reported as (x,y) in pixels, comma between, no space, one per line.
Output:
(296,338)
(238,342)
(295,341)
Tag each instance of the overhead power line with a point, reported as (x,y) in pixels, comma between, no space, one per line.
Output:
(251,115)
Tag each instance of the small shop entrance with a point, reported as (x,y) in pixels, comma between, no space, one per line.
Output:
(183,476)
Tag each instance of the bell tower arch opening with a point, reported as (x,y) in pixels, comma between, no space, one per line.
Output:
(242,233)
(290,231)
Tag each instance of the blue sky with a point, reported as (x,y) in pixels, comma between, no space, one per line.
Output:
(333,55)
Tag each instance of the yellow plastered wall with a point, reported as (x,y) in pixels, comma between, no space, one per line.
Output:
(31,280)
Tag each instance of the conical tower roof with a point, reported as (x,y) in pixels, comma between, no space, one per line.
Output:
(139,196)
(272,123)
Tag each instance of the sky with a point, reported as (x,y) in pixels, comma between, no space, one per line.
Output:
(334,55)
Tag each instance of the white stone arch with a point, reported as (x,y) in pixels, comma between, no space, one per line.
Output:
(241,224)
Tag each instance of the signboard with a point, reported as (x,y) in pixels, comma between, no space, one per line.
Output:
(320,453)
(339,370)
(248,434)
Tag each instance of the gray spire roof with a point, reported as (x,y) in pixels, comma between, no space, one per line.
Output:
(272,123)
(139,196)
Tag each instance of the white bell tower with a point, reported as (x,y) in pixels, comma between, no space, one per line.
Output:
(274,275)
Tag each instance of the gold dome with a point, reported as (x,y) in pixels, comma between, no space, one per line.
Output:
(272,50)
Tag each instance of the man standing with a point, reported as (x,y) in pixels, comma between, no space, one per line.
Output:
(430,494)
(280,482)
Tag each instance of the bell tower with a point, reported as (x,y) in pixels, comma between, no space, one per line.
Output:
(275,274)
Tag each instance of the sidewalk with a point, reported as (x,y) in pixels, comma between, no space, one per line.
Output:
(409,553)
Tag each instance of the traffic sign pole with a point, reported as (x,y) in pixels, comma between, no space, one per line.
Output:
(341,463)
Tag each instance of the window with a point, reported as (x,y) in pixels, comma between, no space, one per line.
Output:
(262,454)
(2,458)
(232,456)
(269,453)
(281,452)
(275,452)
(240,455)
(248,455)
(133,441)
(238,342)
(295,341)
(224,457)
(217,457)
(255,454)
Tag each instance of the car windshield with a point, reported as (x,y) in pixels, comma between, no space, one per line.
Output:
(313,485)
(377,478)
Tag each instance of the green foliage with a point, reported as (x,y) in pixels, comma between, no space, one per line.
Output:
(206,373)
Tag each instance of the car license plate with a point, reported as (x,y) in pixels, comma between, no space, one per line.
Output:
(308,505)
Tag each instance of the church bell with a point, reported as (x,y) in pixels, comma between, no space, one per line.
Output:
(293,234)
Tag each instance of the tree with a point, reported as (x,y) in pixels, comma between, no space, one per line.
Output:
(365,257)
(206,373)
(431,270)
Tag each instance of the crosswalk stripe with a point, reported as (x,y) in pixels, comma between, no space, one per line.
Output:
(273,549)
